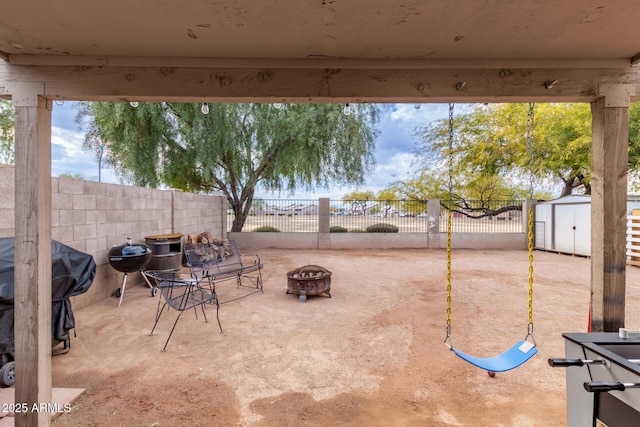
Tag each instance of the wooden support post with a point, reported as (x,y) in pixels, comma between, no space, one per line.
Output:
(32,326)
(610,131)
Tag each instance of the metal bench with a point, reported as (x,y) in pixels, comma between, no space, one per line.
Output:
(223,262)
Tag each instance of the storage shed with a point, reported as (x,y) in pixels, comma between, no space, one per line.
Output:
(564,225)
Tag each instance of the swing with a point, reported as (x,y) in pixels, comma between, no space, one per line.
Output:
(525,349)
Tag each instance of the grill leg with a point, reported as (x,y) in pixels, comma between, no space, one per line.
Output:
(124,283)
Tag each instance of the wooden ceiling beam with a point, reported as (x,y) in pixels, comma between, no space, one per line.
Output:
(319,85)
(311,63)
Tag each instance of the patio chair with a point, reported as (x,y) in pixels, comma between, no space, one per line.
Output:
(182,292)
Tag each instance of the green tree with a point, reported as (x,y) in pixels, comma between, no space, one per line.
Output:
(489,153)
(71,175)
(6,132)
(424,186)
(235,147)
(387,194)
(634,146)
(359,195)
(359,200)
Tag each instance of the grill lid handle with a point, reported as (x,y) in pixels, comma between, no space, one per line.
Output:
(604,386)
(565,363)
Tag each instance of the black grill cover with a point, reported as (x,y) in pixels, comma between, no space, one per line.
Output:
(72,273)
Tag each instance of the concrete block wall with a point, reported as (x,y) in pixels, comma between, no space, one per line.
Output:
(92,217)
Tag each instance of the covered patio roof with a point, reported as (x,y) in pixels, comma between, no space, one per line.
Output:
(592,33)
(323,50)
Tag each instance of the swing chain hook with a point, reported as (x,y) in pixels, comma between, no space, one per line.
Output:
(447,341)
(530,334)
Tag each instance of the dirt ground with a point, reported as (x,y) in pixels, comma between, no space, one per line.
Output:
(373,355)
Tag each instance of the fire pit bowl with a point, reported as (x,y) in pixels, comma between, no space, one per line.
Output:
(309,280)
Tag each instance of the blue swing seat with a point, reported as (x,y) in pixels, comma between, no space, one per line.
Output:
(510,359)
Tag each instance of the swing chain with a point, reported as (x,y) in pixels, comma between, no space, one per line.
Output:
(449,221)
(530,248)
(529,146)
(447,340)
(529,142)
(450,154)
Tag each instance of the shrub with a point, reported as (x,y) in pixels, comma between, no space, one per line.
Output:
(337,229)
(357,230)
(382,227)
(267,229)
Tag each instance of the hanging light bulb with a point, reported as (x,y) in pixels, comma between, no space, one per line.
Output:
(277,106)
(134,104)
(59,102)
(205,108)
(347,109)
(417,106)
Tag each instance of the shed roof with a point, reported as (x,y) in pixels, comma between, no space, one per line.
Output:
(570,199)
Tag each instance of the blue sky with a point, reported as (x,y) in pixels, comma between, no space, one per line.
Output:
(67,155)
(394,147)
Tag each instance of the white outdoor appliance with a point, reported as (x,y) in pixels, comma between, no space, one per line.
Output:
(603,379)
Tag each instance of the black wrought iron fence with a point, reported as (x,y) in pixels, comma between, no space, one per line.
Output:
(407,216)
(480,216)
(284,215)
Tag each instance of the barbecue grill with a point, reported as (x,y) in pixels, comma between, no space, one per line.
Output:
(603,379)
(129,258)
(72,273)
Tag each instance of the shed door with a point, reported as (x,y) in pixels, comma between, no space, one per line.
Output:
(573,228)
(582,221)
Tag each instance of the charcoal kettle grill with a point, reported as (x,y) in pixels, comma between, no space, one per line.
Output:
(129,258)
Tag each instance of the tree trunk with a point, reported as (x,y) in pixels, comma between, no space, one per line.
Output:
(567,189)
(238,216)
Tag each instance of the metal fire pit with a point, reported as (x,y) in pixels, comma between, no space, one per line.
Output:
(309,280)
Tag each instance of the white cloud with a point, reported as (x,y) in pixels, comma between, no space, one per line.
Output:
(69,142)
(67,155)
(398,167)
(407,114)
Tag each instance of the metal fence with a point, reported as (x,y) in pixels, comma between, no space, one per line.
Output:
(478,216)
(409,216)
(285,215)
(358,215)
